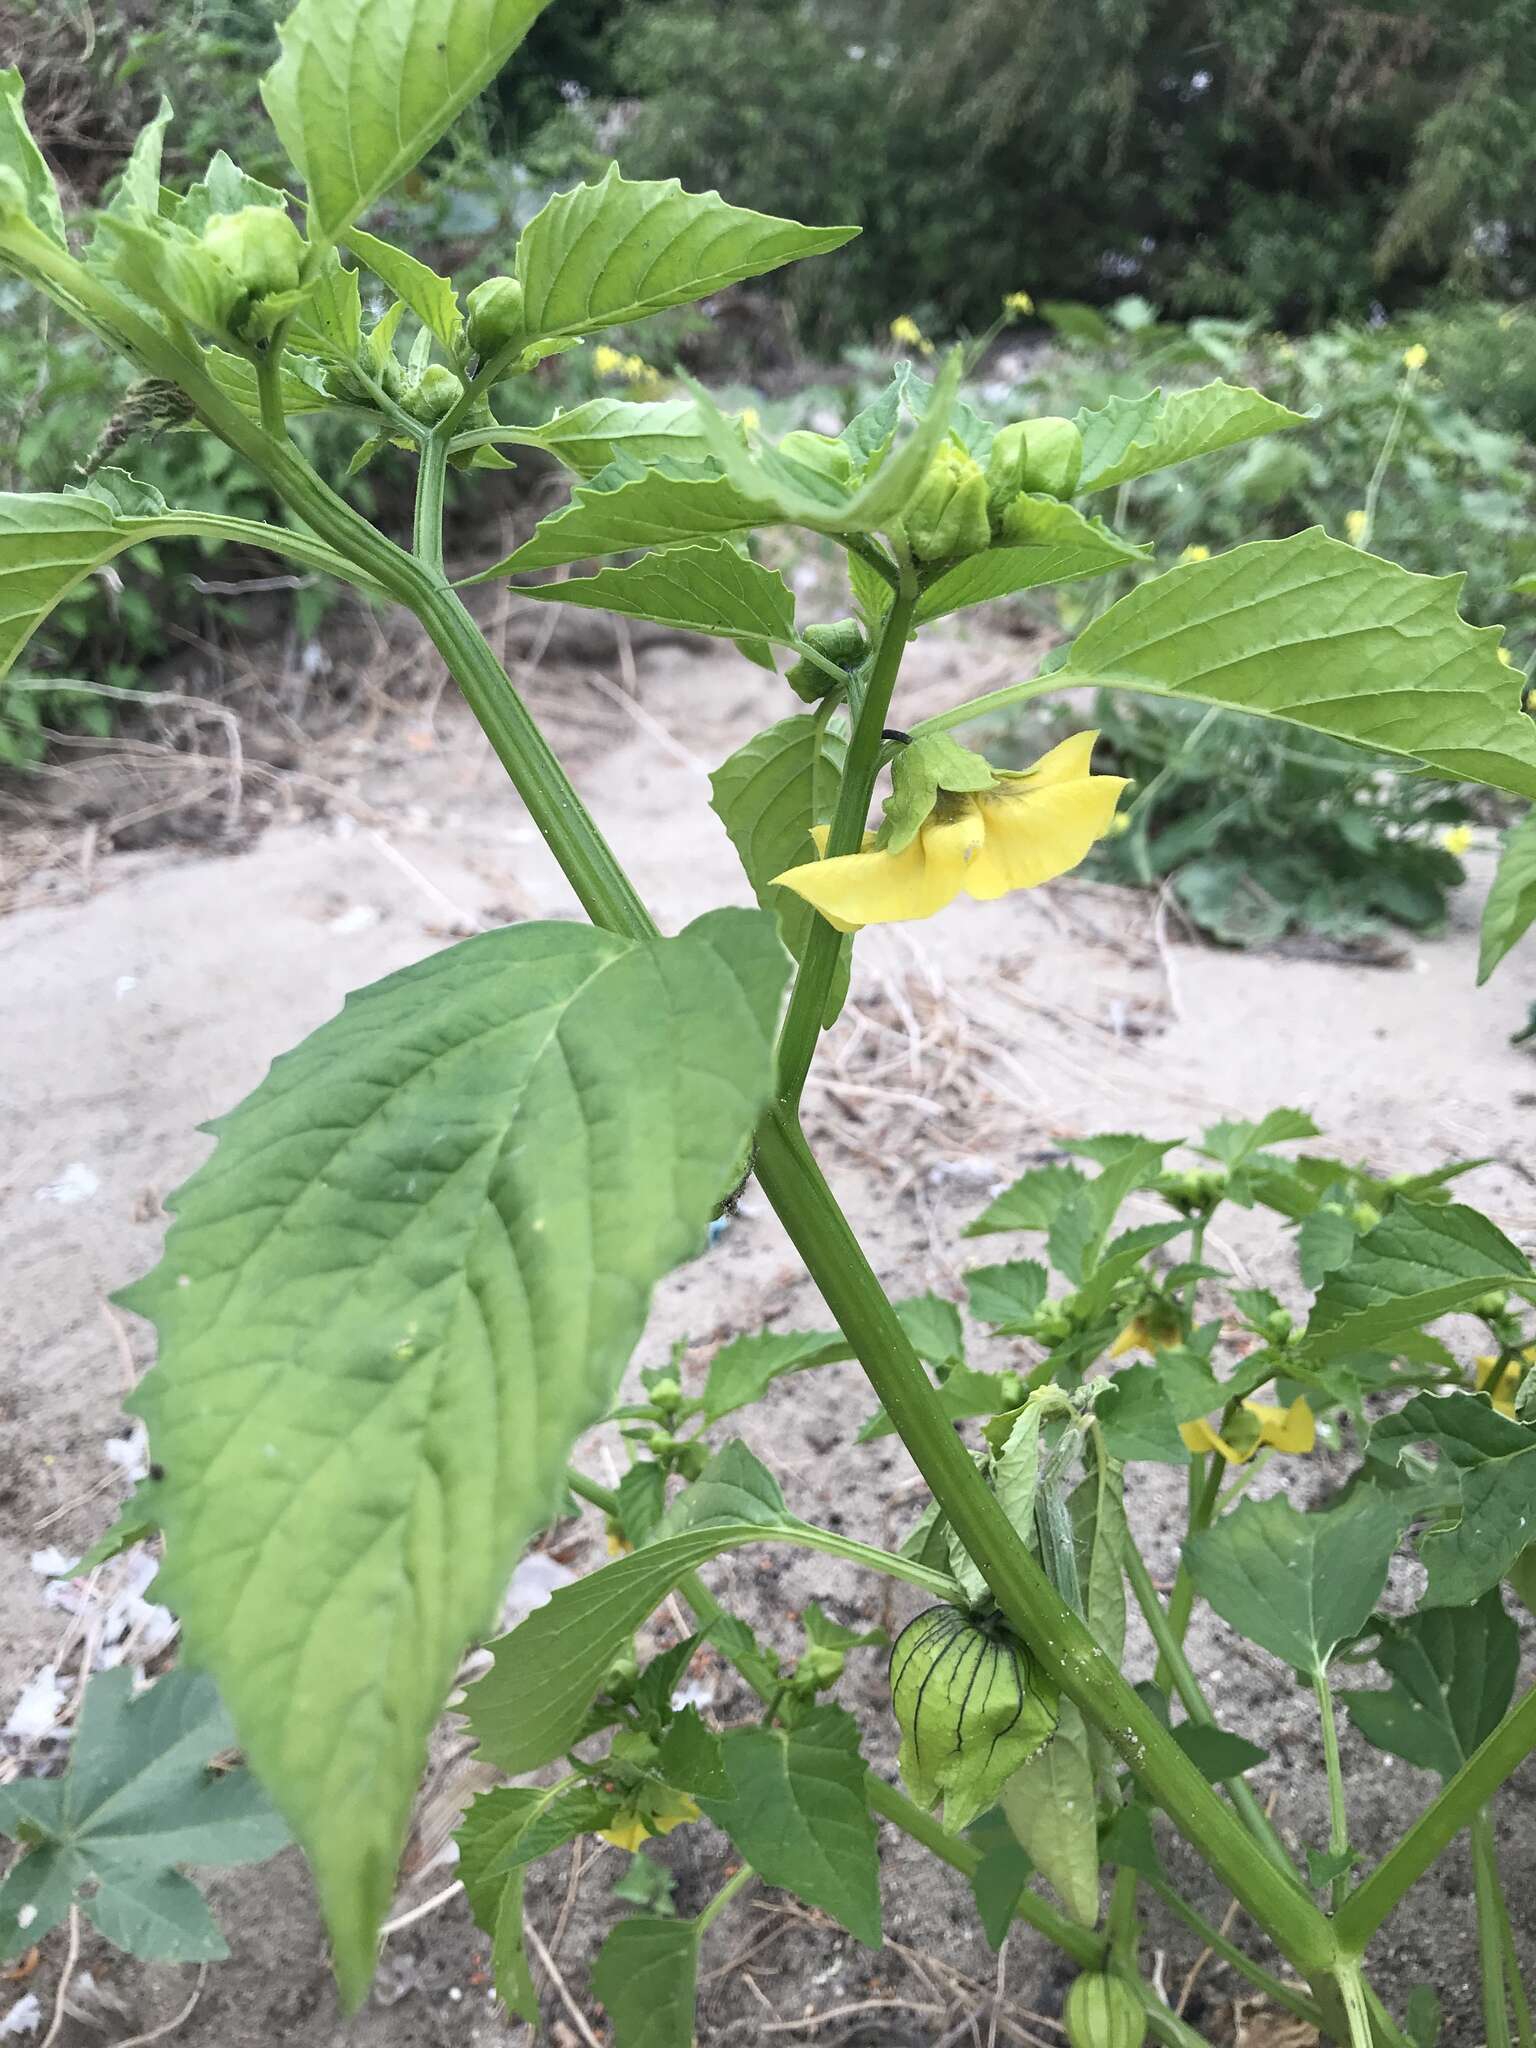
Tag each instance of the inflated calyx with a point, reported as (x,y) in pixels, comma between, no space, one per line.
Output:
(260,248)
(493,315)
(1104,2012)
(948,517)
(972,1705)
(843,643)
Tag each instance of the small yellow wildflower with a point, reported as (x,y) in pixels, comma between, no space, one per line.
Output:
(1144,1333)
(1456,839)
(904,329)
(1415,356)
(1355,524)
(1506,657)
(1026,830)
(1292,1429)
(751,419)
(1501,1387)
(631,1827)
(1018,302)
(1196,553)
(608,362)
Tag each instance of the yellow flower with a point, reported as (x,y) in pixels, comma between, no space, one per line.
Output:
(751,419)
(1456,839)
(1144,1334)
(1018,302)
(608,362)
(1026,830)
(1506,657)
(1501,1390)
(1196,553)
(1355,524)
(1292,1429)
(1415,357)
(906,330)
(631,1827)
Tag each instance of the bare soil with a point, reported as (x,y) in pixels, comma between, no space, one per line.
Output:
(142,992)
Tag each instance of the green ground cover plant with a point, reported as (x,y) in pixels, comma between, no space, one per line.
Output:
(410,1277)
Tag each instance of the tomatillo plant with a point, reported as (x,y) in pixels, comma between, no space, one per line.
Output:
(415,1268)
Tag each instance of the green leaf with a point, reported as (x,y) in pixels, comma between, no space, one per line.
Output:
(920,770)
(1215,1752)
(1421,2016)
(1007,1296)
(1138,1419)
(648,1884)
(1129,1843)
(1421,1261)
(137,1799)
(1032,1203)
(797,1813)
(1297,1584)
(431,298)
(733,1488)
(998,1881)
(607,253)
(1131,437)
(933,1328)
(620,511)
(646,1975)
(709,589)
(1493,1461)
(589,437)
(1058,545)
(742,1371)
(139,184)
(1016,1472)
(768,795)
(1050,1806)
(1453,1672)
(1511,907)
(1099,1537)
(409,1277)
(20,155)
(1235,1143)
(494,1887)
(1325,1241)
(1320,634)
(642,1496)
(363,88)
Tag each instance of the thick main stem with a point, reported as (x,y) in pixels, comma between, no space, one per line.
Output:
(1338,1815)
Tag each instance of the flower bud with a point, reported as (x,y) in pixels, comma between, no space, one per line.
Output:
(436,393)
(818,1668)
(972,1706)
(260,248)
(841,642)
(1104,2012)
(493,315)
(1053,459)
(1005,471)
(1365,1216)
(666,1395)
(948,517)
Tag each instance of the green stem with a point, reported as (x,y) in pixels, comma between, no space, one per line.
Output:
(1492,1919)
(269,388)
(1205,1476)
(1124,1922)
(431,484)
(1196,1706)
(983,707)
(808,1002)
(1357,2006)
(1438,1825)
(1288,1996)
(820,1232)
(723,1898)
(1338,1813)
(1383,460)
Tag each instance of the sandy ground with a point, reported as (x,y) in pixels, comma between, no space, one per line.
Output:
(153,994)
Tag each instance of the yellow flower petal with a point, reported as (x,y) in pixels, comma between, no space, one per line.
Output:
(1042,823)
(627,1832)
(1415,356)
(1199,1436)
(674,1815)
(1456,838)
(1501,1390)
(1139,1334)
(1293,1429)
(857,889)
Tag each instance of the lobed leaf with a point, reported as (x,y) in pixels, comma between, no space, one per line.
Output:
(1453,1672)
(1131,437)
(1317,633)
(408,1278)
(742,1371)
(1491,1462)
(617,250)
(1421,1261)
(363,88)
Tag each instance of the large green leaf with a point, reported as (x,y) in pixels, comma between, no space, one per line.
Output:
(363,88)
(1130,437)
(1510,910)
(1491,1460)
(20,155)
(590,436)
(1062,547)
(768,795)
(1297,1584)
(1453,1672)
(49,544)
(797,1813)
(1322,635)
(493,1884)
(136,1801)
(1421,1261)
(708,589)
(1050,1807)
(616,250)
(647,509)
(430,297)
(645,1975)
(409,1277)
